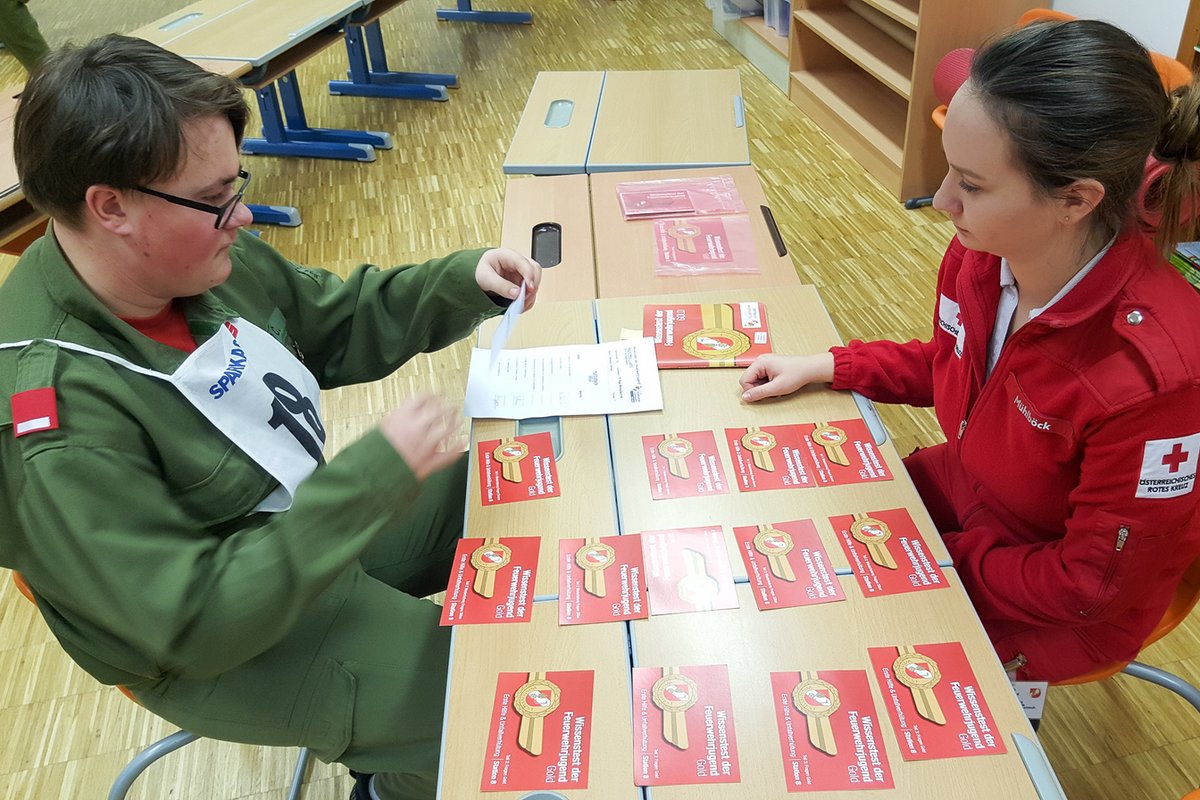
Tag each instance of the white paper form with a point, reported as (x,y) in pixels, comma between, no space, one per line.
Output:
(609,378)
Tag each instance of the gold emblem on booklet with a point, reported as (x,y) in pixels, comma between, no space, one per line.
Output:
(817,699)
(920,674)
(510,453)
(675,693)
(831,438)
(760,444)
(533,701)
(874,534)
(675,450)
(775,545)
(593,558)
(486,559)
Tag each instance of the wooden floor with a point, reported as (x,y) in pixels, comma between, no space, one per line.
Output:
(440,189)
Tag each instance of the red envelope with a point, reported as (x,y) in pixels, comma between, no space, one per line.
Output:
(541,732)
(601,580)
(491,580)
(829,731)
(787,565)
(934,701)
(683,726)
(688,569)
(517,468)
(887,553)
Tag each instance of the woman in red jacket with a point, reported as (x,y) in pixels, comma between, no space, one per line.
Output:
(1064,366)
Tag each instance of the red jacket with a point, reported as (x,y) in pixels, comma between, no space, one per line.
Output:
(1065,491)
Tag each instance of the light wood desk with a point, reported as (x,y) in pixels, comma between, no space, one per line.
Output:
(555,129)
(561,200)
(585,505)
(623,121)
(243,30)
(625,249)
(480,652)
(668,120)
(798,323)
(836,636)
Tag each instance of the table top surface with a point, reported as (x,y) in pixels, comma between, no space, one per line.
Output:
(750,642)
(253,31)
(530,204)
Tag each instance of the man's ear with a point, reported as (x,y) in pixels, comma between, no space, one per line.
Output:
(1080,199)
(108,208)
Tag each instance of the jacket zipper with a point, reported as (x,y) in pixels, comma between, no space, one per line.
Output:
(1119,545)
(986,386)
(1015,664)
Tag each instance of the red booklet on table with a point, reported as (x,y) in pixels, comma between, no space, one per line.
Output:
(710,335)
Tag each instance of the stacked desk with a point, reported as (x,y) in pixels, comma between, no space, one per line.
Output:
(601,500)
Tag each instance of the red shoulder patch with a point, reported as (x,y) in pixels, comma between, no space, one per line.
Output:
(34,410)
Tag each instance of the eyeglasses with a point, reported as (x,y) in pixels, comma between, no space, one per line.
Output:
(223,211)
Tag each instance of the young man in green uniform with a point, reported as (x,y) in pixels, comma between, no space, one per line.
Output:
(164,490)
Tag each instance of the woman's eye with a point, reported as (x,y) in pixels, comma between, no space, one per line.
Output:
(966,187)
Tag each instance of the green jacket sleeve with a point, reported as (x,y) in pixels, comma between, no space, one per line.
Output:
(363,327)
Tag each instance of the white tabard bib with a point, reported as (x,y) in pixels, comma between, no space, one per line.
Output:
(256,393)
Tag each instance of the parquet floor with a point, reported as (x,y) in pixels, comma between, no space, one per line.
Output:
(440,189)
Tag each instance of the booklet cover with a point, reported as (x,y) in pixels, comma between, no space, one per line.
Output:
(517,468)
(710,335)
(787,565)
(934,701)
(887,553)
(683,726)
(491,580)
(829,731)
(601,579)
(687,569)
(541,732)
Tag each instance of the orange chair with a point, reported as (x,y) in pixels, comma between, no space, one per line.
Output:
(168,744)
(1186,596)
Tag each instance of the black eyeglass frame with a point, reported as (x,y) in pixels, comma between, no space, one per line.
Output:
(222,211)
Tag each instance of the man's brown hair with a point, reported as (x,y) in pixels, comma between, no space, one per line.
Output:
(111,112)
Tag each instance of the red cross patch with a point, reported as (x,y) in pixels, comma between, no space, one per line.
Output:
(34,410)
(1169,467)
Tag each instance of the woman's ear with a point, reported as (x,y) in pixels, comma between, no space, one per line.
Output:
(108,208)
(1079,199)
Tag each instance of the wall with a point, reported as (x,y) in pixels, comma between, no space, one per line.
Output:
(1158,24)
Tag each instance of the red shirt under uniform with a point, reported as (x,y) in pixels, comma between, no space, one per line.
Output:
(1066,488)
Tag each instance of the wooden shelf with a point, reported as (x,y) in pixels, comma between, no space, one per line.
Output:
(864,44)
(877,115)
(769,35)
(903,11)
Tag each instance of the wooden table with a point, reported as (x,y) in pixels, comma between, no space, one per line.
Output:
(625,249)
(751,643)
(669,119)
(624,121)
(532,204)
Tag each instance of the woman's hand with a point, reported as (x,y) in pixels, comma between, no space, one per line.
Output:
(774,375)
(501,271)
(425,432)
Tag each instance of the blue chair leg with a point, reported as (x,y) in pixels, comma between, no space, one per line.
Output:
(1165,679)
(298,775)
(144,759)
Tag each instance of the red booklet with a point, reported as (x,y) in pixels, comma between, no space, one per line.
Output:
(683,726)
(601,580)
(541,732)
(491,580)
(517,468)
(887,553)
(710,335)
(787,564)
(829,731)
(687,569)
(934,701)
(683,465)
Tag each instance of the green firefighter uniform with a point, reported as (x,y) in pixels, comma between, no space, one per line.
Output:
(134,519)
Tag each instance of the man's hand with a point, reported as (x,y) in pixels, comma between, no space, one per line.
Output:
(774,375)
(424,431)
(501,271)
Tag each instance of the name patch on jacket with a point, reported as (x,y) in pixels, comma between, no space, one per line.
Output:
(1028,411)
(950,320)
(34,410)
(1169,467)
